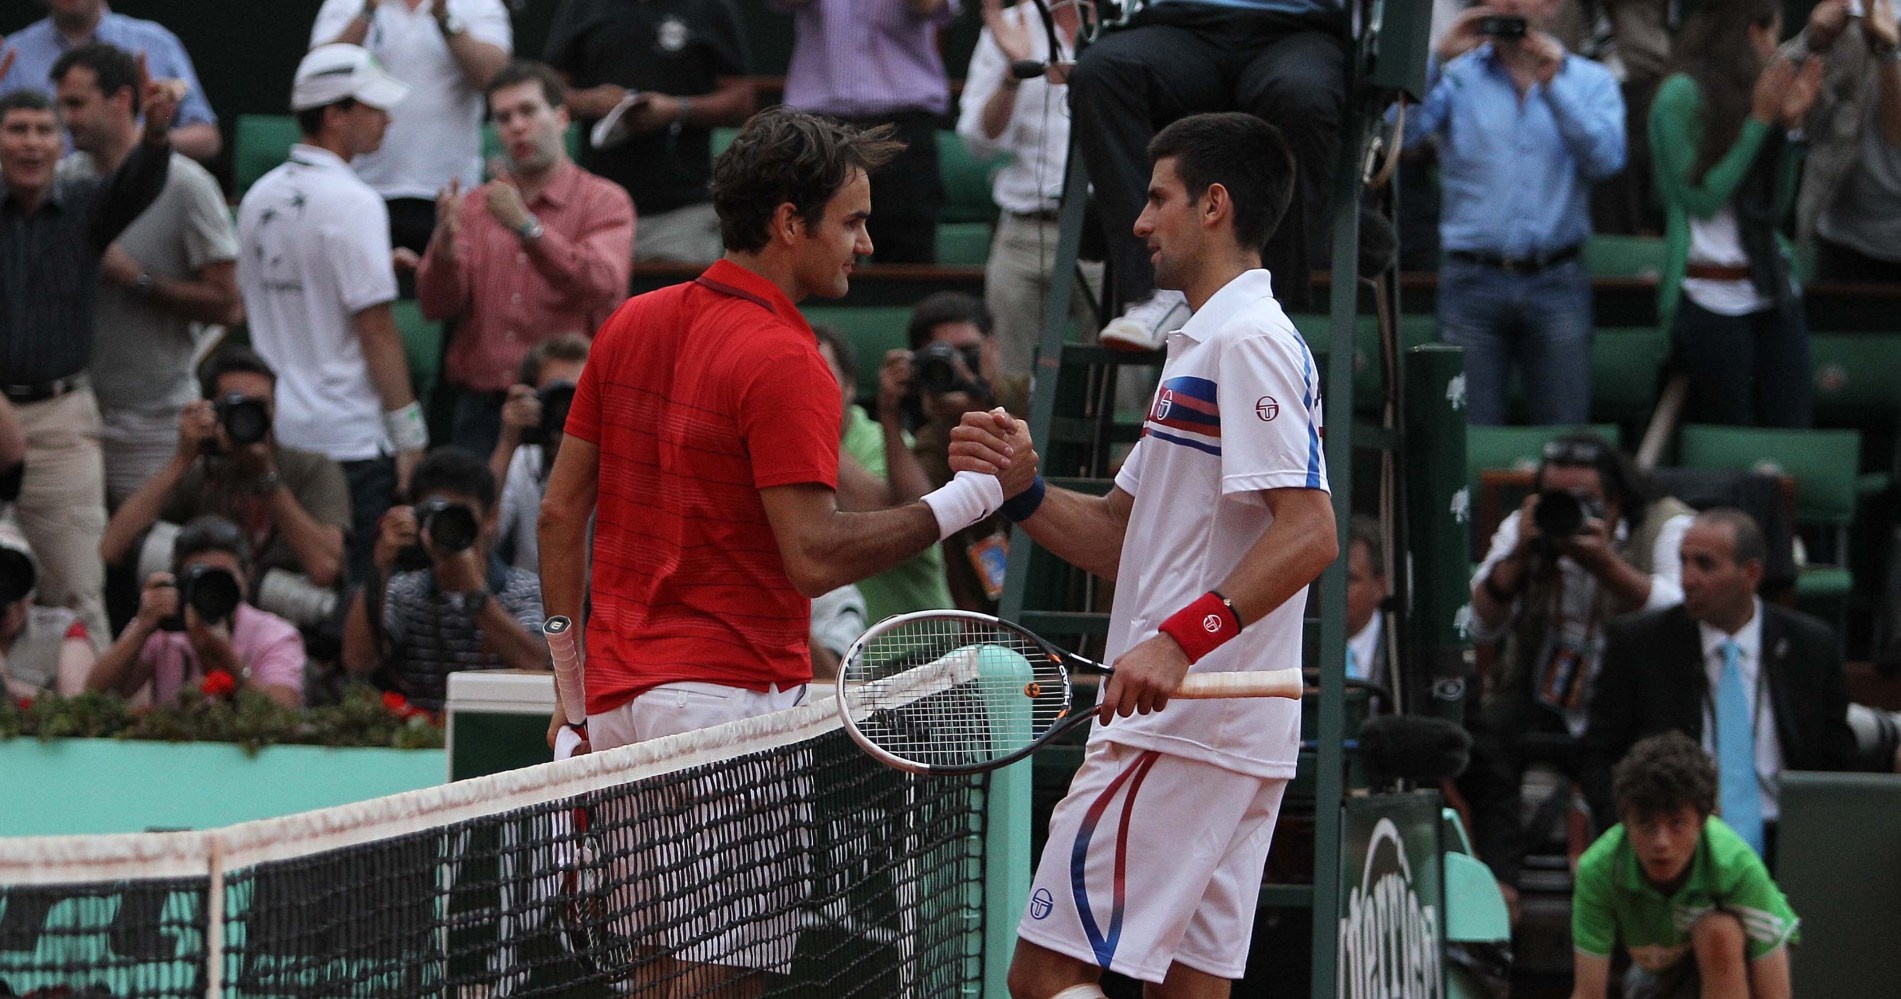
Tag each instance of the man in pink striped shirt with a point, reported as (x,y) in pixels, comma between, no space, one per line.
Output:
(543,249)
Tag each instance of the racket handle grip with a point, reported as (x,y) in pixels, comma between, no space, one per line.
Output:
(569,684)
(1251,683)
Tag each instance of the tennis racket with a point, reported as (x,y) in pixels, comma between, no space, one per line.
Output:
(953,692)
(569,684)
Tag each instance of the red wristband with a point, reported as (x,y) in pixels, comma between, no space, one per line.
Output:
(1203,625)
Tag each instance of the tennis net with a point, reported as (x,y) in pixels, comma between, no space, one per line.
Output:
(767,857)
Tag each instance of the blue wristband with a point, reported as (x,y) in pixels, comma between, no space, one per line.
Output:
(1022,505)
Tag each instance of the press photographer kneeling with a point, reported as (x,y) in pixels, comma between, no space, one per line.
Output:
(447,606)
(194,628)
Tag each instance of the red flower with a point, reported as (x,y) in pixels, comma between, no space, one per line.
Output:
(218,683)
(24,703)
(395,701)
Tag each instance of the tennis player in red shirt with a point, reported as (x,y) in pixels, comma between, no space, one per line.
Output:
(703,440)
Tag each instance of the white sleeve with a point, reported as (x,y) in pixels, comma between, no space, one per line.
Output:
(981,80)
(209,236)
(360,256)
(1666,563)
(1268,412)
(1504,540)
(331,20)
(1129,476)
(488,22)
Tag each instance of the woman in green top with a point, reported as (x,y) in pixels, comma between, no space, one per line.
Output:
(1726,160)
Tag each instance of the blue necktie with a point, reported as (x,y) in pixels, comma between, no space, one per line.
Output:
(1736,751)
(1353,665)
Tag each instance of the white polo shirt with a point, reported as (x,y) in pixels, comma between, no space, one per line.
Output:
(1238,412)
(313,251)
(435,133)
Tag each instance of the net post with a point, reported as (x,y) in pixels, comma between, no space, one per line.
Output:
(214,919)
(1006,869)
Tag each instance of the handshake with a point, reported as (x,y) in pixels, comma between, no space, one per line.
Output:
(994,460)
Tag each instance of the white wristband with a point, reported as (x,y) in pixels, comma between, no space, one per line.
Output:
(406,429)
(966,499)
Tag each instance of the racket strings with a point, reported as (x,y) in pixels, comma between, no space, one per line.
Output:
(953,691)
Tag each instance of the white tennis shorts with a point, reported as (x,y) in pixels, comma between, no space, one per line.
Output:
(1153,859)
(713,869)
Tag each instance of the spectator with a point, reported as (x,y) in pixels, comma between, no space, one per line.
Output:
(447,50)
(170,269)
(871,63)
(74,24)
(1523,129)
(1726,173)
(533,423)
(53,233)
(314,265)
(1695,909)
(193,622)
(1283,61)
(1587,546)
(675,70)
(1759,685)
(838,618)
(1369,653)
(1029,120)
(447,606)
(952,369)
(1849,207)
(292,506)
(543,248)
(1638,54)
(42,649)
(877,469)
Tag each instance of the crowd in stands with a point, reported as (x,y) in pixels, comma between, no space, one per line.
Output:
(160,464)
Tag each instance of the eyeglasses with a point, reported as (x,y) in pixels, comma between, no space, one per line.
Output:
(1575,452)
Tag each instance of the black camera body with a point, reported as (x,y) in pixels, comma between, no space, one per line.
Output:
(935,367)
(1505,27)
(17,575)
(246,420)
(556,399)
(1561,514)
(212,591)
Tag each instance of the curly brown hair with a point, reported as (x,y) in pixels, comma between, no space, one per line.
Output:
(1663,773)
(782,156)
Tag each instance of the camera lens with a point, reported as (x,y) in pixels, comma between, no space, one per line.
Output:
(212,592)
(1560,514)
(246,420)
(556,399)
(450,526)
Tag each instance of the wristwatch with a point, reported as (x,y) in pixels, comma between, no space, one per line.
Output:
(473,601)
(144,284)
(530,230)
(453,26)
(266,484)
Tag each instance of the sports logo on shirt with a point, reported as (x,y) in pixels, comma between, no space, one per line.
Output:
(1266,408)
(1186,413)
(671,35)
(1041,903)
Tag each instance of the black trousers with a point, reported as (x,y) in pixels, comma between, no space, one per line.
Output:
(1835,262)
(1178,59)
(1751,370)
(907,193)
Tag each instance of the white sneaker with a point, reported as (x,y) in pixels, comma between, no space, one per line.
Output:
(1147,323)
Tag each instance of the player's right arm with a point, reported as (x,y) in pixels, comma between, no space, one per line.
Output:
(1085,531)
(824,548)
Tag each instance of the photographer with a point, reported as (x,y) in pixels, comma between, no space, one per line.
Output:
(293,507)
(193,623)
(41,648)
(952,368)
(533,419)
(446,606)
(1524,129)
(1585,547)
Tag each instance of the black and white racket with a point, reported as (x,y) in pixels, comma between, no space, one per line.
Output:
(954,692)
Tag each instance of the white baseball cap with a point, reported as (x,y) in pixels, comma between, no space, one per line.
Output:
(330,73)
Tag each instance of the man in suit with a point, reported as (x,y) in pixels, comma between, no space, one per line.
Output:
(1759,685)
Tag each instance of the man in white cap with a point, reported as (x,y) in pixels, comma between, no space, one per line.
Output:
(314,266)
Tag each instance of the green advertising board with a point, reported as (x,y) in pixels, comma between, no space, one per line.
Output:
(1392,913)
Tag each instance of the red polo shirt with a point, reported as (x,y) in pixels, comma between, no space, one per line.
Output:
(699,396)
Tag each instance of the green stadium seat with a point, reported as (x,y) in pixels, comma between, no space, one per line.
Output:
(1516,448)
(1855,377)
(871,329)
(966,181)
(1626,364)
(261,142)
(963,244)
(723,137)
(422,345)
(1623,256)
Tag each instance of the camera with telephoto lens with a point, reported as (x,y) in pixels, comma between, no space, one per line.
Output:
(556,398)
(449,526)
(1507,27)
(213,592)
(1561,514)
(245,420)
(17,575)
(936,367)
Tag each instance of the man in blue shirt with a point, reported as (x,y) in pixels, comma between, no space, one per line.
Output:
(27,58)
(1524,129)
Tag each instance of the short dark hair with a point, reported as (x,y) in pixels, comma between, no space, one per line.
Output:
(842,350)
(26,99)
(1663,773)
(450,469)
(1365,530)
(310,120)
(521,71)
(782,156)
(1621,479)
(943,307)
(232,359)
(113,67)
(1750,545)
(571,347)
(210,533)
(1243,154)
